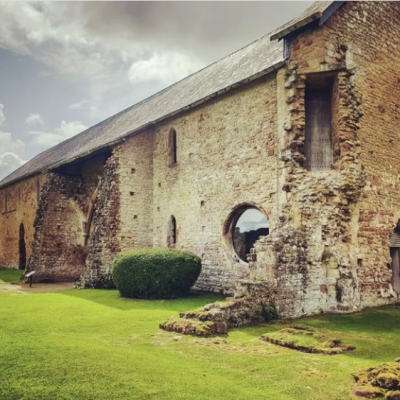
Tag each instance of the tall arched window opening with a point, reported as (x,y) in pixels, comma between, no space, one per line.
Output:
(172,235)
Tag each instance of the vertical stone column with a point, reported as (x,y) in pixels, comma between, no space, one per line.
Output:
(104,242)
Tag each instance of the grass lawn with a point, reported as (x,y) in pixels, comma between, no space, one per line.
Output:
(9,275)
(92,344)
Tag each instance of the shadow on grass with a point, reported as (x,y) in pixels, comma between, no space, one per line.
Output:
(112,298)
(8,275)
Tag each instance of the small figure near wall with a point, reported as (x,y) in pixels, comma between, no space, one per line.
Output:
(394,254)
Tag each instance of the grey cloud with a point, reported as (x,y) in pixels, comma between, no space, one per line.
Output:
(114,54)
(206,29)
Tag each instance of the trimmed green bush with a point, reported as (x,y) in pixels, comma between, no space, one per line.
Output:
(155,273)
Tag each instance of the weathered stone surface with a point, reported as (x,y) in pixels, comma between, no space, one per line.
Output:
(194,327)
(22,203)
(63,223)
(103,242)
(217,318)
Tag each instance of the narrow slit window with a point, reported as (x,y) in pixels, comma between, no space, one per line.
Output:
(173,146)
(318,148)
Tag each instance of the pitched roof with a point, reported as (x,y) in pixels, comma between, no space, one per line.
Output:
(319,12)
(257,59)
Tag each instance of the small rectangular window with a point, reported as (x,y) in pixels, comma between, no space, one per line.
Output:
(318,148)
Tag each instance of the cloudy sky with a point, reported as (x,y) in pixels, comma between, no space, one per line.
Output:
(64,66)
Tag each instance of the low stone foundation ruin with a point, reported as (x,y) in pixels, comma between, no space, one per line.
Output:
(217,318)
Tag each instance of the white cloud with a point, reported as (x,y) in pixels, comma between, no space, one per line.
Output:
(41,31)
(165,68)
(80,105)
(34,119)
(11,149)
(9,162)
(83,105)
(10,144)
(65,131)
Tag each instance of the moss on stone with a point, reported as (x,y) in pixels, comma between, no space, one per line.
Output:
(308,340)
(392,395)
(193,327)
(370,392)
(225,314)
(382,381)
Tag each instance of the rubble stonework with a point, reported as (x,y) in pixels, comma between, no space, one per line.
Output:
(58,248)
(24,198)
(309,255)
(104,240)
(63,223)
(313,256)
(217,318)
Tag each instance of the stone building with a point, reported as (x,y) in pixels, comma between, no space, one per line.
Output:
(294,136)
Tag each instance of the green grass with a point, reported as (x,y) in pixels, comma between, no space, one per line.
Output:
(9,275)
(92,344)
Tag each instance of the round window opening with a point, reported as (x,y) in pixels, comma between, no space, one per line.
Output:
(250,225)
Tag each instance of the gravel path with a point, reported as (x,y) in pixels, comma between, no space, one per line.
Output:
(36,287)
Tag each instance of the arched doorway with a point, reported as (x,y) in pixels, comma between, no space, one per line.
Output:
(394,254)
(22,248)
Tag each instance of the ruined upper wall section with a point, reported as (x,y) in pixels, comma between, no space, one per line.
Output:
(18,204)
(331,250)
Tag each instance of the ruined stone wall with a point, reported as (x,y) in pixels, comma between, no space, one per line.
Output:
(18,205)
(369,36)
(62,224)
(226,156)
(105,239)
(58,248)
(330,251)
(122,212)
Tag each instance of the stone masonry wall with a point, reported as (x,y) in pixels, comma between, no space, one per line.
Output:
(20,208)
(62,224)
(330,251)
(135,176)
(226,156)
(104,242)
(58,252)
(375,62)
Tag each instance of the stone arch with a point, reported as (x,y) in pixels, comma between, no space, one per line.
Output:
(58,249)
(232,236)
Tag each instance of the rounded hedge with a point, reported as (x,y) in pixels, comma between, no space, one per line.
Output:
(155,273)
